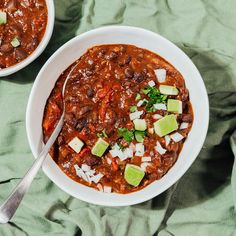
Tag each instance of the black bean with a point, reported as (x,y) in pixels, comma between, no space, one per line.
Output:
(20,54)
(102,53)
(81,123)
(112,56)
(70,119)
(187,117)
(128,60)
(138,77)
(11,5)
(6,48)
(91,160)
(33,44)
(90,92)
(84,110)
(129,73)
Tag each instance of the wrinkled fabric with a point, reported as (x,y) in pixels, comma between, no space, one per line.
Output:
(203,201)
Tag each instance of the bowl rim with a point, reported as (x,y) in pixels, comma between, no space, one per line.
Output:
(40,48)
(179,174)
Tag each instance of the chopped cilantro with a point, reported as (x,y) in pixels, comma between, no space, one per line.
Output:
(155,97)
(128,135)
(102,134)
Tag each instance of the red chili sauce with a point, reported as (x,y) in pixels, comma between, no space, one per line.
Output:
(111,87)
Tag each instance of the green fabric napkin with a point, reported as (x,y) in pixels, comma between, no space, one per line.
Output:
(203,202)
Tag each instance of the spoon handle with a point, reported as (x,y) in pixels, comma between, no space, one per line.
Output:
(9,207)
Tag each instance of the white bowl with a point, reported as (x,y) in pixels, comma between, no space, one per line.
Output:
(71,51)
(42,45)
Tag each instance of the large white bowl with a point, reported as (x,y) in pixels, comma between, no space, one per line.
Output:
(42,45)
(71,51)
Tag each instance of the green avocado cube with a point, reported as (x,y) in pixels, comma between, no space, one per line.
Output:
(3,17)
(140,124)
(139,136)
(174,105)
(15,42)
(165,125)
(168,90)
(133,174)
(100,147)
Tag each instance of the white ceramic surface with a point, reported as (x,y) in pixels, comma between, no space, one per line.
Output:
(42,45)
(71,51)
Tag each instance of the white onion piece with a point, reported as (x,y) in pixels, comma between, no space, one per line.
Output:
(176,137)
(161,75)
(157,116)
(151,83)
(167,140)
(150,130)
(160,149)
(81,173)
(139,149)
(96,178)
(135,115)
(85,167)
(99,186)
(160,106)
(144,165)
(140,103)
(146,159)
(183,125)
(128,152)
(109,161)
(107,189)
(132,147)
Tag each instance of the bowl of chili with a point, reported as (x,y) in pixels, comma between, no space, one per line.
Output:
(136,115)
(25,30)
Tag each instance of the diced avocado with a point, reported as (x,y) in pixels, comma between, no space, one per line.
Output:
(139,136)
(133,174)
(138,97)
(168,90)
(133,109)
(76,144)
(174,105)
(100,147)
(3,17)
(165,125)
(140,124)
(15,42)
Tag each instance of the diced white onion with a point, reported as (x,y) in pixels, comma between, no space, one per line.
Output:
(96,178)
(76,144)
(160,149)
(132,146)
(146,159)
(140,103)
(100,187)
(160,106)
(128,152)
(139,149)
(109,161)
(157,116)
(151,83)
(66,165)
(167,140)
(150,130)
(176,137)
(107,189)
(135,115)
(81,173)
(161,75)
(85,167)
(144,165)
(183,125)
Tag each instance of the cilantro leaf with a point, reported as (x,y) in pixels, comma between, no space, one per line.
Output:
(128,135)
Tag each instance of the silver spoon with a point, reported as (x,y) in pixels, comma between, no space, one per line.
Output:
(9,207)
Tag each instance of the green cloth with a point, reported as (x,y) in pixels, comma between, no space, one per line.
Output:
(203,202)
